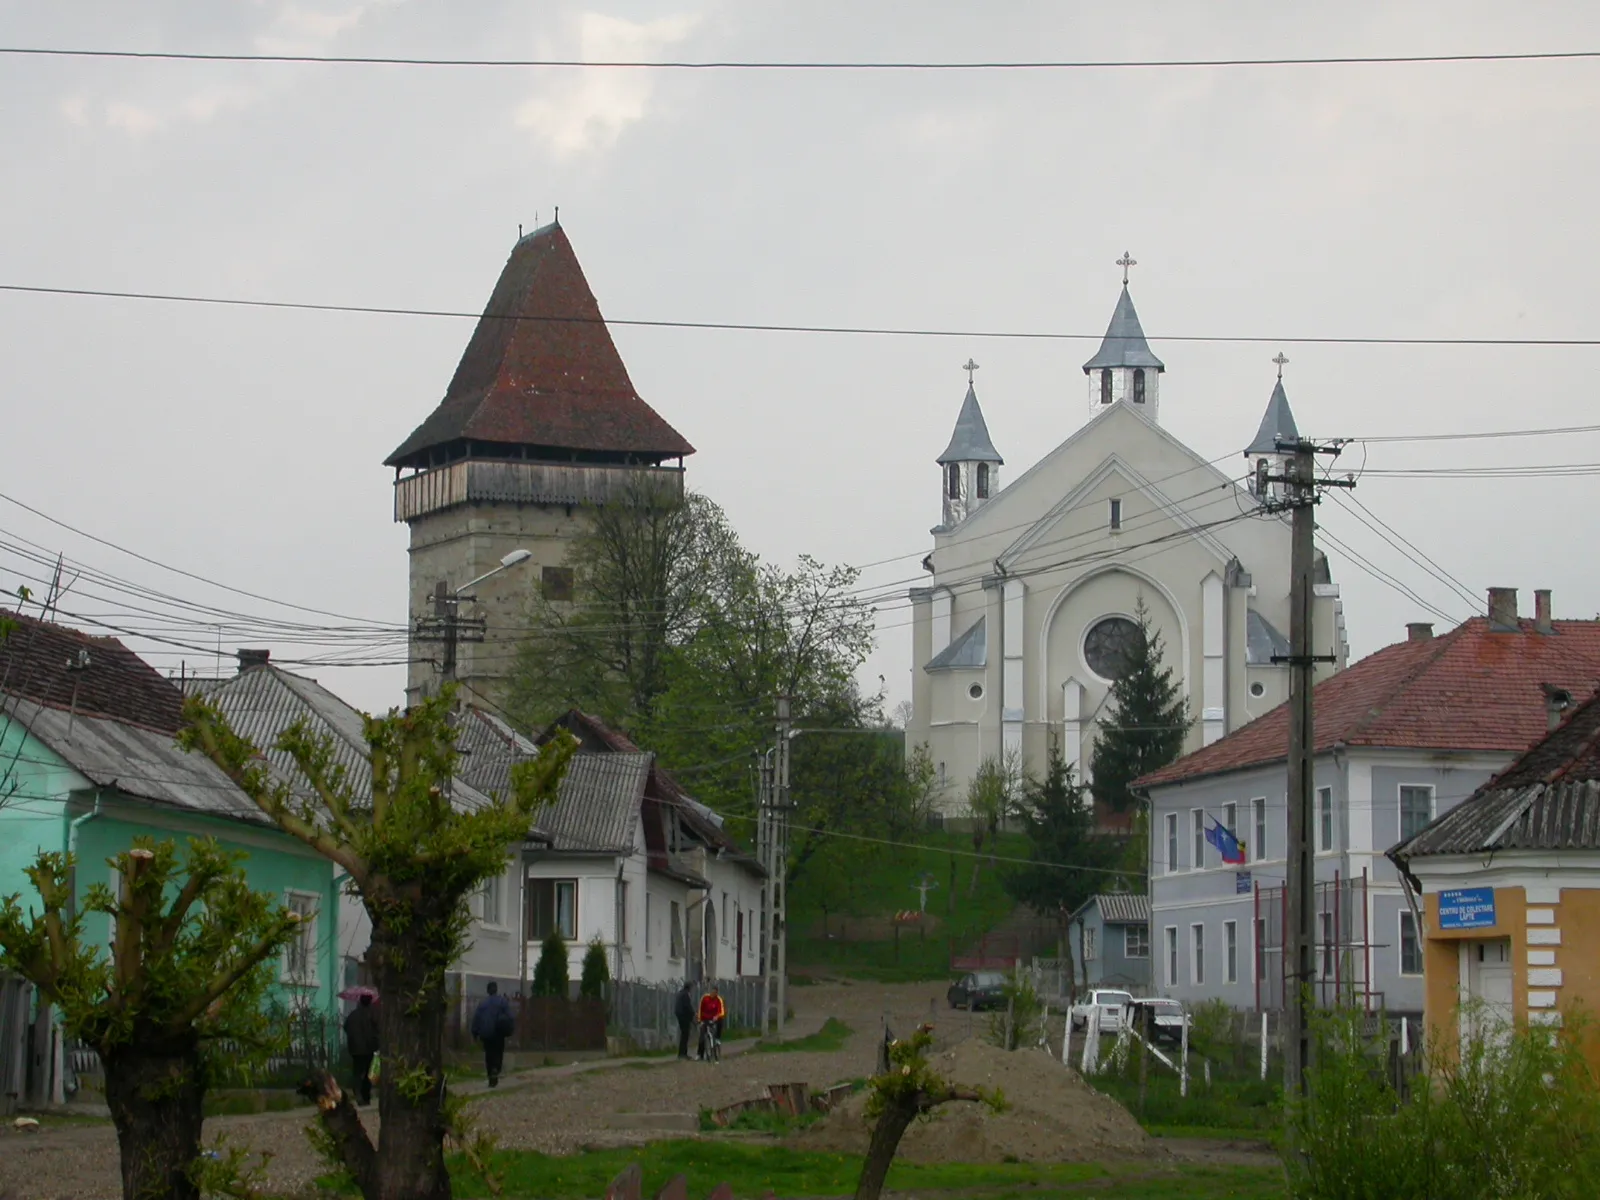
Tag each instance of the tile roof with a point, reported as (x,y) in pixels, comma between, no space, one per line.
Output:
(1474,688)
(52,665)
(1548,799)
(1277,425)
(542,371)
(968,652)
(970,441)
(1124,344)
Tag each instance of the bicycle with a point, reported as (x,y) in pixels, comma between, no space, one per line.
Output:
(710,1042)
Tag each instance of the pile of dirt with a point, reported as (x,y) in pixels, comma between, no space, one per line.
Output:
(1051,1116)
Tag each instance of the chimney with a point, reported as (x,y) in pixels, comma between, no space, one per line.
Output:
(1541,611)
(1419,631)
(1556,702)
(253,658)
(1503,610)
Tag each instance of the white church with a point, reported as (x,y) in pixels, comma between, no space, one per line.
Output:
(1020,632)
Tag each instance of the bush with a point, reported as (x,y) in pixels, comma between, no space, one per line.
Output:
(1514,1113)
(550,976)
(1211,1028)
(592,985)
(1019,1026)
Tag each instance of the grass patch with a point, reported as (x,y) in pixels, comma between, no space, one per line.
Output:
(773,1124)
(233,1104)
(754,1170)
(829,1038)
(1244,1107)
(1218,1133)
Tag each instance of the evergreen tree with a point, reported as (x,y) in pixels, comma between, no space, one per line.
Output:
(592,984)
(1148,722)
(550,976)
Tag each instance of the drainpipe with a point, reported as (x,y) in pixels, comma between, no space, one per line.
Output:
(72,843)
(57,1041)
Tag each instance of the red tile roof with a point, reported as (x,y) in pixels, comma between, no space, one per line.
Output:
(542,371)
(1473,688)
(49,664)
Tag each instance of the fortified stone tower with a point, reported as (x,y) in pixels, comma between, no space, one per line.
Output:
(539,423)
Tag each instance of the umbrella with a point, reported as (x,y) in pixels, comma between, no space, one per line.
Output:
(355,993)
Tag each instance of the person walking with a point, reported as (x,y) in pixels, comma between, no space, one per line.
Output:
(683,1009)
(492,1024)
(361,1038)
(712,1014)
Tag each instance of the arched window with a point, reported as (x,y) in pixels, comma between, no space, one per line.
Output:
(983,481)
(1138,385)
(952,481)
(1105,385)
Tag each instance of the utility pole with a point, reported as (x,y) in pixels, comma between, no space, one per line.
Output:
(780,862)
(764,857)
(1300,494)
(446,627)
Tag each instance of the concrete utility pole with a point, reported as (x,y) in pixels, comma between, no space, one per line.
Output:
(780,861)
(1301,493)
(764,857)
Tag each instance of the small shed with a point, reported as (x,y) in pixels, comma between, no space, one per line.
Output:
(1110,940)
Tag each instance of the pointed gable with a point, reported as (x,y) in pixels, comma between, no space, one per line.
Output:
(970,441)
(542,373)
(1277,425)
(1124,344)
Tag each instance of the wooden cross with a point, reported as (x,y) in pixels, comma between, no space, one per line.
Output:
(969,367)
(1281,359)
(1127,260)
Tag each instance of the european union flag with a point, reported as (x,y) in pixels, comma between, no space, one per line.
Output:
(1220,836)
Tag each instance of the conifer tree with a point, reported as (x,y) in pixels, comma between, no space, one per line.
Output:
(1147,723)
(550,977)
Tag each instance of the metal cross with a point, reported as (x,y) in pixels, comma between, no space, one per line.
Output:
(1127,260)
(1281,359)
(969,367)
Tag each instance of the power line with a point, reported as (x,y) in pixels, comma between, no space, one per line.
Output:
(760,327)
(813,65)
(1473,436)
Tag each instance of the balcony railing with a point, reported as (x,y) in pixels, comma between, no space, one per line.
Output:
(523,483)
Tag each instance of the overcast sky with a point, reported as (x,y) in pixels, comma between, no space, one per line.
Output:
(246,446)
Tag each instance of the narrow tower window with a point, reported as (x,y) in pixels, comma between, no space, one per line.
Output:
(1105,385)
(983,481)
(1138,385)
(952,481)
(1116,515)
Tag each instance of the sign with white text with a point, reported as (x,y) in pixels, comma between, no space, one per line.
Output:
(1466,908)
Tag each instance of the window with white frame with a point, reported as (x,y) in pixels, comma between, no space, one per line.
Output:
(1091,943)
(491,900)
(1197,954)
(552,906)
(1171,933)
(1410,947)
(1116,515)
(1259,808)
(1325,936)
(1172,842)
(1325,819)
(1230,819)
(649,929)
(300,955)
(1136,941)
(1197,822)
(677,931)
(1230,949)
(1416,809)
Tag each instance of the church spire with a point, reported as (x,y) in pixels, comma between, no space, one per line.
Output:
(1124,368)
(1266,452)
(970,463)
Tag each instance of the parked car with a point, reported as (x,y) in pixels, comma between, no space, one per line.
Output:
(1109,1001)
(978,989)
(1168,1016)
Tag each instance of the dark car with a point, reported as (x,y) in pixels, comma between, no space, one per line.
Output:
(978,989)
(1166,1015)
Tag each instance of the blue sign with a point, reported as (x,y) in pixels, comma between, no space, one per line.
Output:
(1466,908)
(1241,883)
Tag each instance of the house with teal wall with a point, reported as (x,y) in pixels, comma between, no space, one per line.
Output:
(88,763)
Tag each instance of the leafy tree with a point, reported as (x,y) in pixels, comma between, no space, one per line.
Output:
(991,798)
(414,858)
(596,974)
(187,973)
(1068,861)
(550,977)
(1150,719)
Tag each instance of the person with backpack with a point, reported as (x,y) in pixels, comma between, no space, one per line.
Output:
(492,1024)
(361,1036)
(683,1009)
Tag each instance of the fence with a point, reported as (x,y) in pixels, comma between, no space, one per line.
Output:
(643,1012)
(1342,958)
(16,1006)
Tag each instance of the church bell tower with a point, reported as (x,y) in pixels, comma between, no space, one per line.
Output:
(970,465)
(1266,451)
(1124,369)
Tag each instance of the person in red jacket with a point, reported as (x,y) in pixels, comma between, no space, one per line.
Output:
(712,1016)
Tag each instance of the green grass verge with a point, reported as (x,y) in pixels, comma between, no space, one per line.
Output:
(831,1037)
(1249,1107)
(752,1170)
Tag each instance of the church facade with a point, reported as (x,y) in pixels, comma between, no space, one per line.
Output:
(1036,586)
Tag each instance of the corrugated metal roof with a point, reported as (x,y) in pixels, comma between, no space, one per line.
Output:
(970,441)
(1277,425)
(489,749)
(597,806)
(1119,907)
(968,652)
(139,762)
(1124,344)
(1262,640)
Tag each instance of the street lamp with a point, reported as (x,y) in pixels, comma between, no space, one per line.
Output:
(447,626)
(510,560)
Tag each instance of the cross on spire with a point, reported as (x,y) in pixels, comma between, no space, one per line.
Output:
(1127,260)
(969,367)
(1281,359)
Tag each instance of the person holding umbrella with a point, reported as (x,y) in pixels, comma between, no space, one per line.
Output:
(361,1036)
